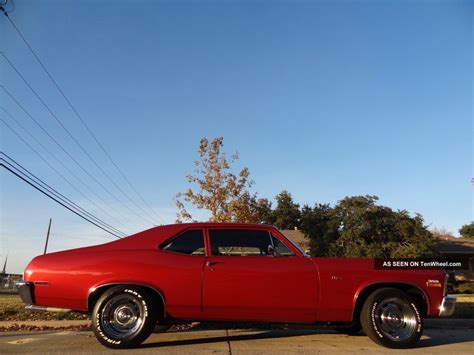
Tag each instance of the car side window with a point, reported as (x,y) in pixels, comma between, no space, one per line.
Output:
(280,248)
(240,242)
(190,242)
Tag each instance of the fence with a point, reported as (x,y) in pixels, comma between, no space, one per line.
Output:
(7,283)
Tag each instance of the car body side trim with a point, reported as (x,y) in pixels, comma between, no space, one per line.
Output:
(46,309)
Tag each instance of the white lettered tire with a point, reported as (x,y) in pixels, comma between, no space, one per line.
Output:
(390,317)
(124,316)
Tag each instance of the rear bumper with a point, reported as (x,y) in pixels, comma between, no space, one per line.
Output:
(447,306)
(25,289)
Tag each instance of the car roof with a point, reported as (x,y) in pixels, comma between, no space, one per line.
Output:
(217,224)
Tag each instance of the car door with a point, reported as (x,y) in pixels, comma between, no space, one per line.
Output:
(244,279)
(178,273)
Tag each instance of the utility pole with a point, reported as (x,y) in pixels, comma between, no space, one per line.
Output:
(47,236)
(4,271)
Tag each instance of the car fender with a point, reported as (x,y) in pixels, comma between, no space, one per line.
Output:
(98,286)
(390,281)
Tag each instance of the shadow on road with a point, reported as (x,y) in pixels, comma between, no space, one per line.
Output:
(430,339)
(436,340)
(266,334)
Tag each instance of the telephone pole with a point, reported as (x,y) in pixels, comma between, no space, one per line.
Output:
(4,271)
(47,236)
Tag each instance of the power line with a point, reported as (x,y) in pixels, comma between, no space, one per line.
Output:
(64,150)
(70,203)
(60,146)
(76,112)
(8,166)
(73,137)
(64,178)
(5,159)
(57,201)
(62,164)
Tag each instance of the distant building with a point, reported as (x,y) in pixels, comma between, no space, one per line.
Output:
(459,248)
(298,237)
(7,281)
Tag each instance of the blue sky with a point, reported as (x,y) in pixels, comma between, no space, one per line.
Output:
(322,98)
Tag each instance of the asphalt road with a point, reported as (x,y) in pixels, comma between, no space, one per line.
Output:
(235,341)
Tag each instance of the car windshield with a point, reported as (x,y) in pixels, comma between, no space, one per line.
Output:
(295,245)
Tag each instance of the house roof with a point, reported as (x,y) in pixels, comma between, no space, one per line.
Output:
(297,236)
(452,245)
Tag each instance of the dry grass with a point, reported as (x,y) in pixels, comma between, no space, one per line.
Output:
(13,309)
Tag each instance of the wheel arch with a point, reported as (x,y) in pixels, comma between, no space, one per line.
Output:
(97,291)
(418,295)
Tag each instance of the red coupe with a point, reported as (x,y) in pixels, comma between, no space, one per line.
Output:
(233,273)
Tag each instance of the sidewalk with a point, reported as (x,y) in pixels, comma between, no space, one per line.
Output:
(432,323)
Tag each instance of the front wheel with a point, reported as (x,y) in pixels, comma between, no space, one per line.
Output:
(391,318)
(124,317)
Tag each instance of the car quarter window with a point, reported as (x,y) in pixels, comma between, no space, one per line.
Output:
(190,242)
(280,248)
(240,242)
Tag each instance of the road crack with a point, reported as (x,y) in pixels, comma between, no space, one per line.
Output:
(228,341)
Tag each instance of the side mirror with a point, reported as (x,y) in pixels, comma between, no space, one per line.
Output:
(271,250)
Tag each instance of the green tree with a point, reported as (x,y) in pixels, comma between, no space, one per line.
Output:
(370,230)
(287,213)
(321,228)
(467,230)
(358,227)
(216,188)
(265,212)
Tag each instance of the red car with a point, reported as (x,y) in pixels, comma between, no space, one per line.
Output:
(229,272)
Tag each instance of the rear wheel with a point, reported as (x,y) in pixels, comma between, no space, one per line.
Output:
(391,318)
(124,317)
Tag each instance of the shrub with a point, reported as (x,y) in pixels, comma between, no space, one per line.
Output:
(466,287)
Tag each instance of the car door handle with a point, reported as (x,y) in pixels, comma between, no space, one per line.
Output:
(211,263)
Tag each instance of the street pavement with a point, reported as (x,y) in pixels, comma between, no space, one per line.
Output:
(236,341)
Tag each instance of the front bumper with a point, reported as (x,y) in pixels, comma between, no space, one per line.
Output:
(447,306)
(25,289)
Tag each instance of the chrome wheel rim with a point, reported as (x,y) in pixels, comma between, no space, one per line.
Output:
(395,319)
(122,316)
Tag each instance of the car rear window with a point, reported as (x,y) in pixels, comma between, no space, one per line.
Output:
(190,242)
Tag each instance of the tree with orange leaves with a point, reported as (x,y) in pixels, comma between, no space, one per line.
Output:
(219,190)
